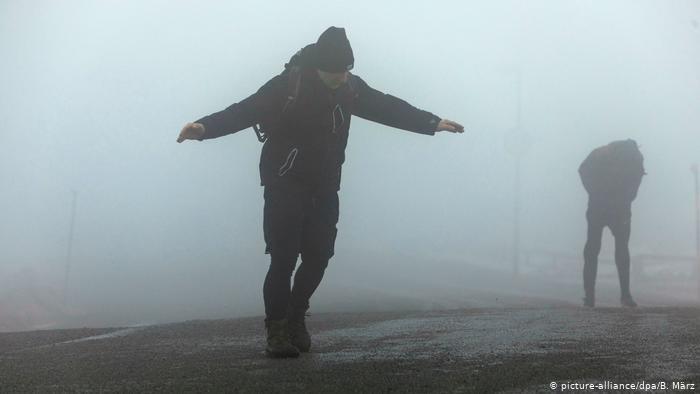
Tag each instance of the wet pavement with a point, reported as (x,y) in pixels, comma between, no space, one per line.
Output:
(503,349)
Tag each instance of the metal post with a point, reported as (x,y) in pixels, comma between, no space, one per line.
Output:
(516,219)
(69,253)
(694,169)
(517,143)
(518,162)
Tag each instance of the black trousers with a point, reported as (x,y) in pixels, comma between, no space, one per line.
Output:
(618,219)
(298,219)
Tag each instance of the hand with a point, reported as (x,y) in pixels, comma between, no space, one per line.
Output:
(191,131)
(451,126)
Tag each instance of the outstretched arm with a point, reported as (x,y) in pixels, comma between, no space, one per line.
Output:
(238,116)
(386,109)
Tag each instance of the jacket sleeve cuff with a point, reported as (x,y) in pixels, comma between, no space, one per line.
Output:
(207,128)
(432,125)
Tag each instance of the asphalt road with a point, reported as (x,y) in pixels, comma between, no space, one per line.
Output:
(504,349)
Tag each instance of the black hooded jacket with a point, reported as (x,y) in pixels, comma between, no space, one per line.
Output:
(612,174)
(307,136)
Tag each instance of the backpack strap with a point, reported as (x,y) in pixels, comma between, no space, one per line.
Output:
(262,137)
(293,86)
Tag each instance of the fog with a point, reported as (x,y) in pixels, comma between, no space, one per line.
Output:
(94,95)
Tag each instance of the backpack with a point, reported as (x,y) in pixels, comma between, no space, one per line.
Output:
(294,71)
(625,155)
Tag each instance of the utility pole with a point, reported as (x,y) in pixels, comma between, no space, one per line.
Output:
(69,253)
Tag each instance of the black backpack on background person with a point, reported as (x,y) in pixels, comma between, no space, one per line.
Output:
(613,172)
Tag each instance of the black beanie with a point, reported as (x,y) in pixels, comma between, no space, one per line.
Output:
(333,51)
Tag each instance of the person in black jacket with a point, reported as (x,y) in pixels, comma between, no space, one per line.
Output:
(305,115)
(611,175)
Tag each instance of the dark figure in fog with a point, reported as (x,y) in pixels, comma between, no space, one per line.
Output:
(611,175)
(304,118)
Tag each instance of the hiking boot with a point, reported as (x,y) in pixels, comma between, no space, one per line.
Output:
(628,302)
(298,334)
(278,344)
(589,301)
